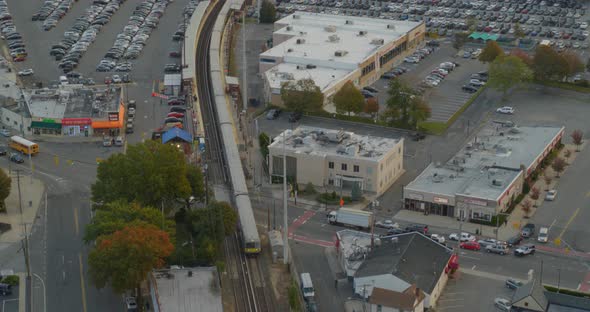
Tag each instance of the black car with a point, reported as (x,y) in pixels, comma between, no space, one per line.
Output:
(5,289)
(469,89)
(417,136)
(395,231)
(17,158)
(2,151)
(295,116)
(273,114)
(528,230)
(177,109)
(422,228)
(513,241)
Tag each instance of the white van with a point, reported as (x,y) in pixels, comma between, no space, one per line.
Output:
(543,235)
(307,286)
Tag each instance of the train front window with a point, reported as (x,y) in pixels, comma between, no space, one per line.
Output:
(250,245)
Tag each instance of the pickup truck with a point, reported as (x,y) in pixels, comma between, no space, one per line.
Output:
(528,249)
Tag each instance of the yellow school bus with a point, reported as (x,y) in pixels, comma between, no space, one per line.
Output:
(23,145)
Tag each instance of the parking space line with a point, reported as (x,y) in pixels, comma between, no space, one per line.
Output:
(450,307)
(569,222)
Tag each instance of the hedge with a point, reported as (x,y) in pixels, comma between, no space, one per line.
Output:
(579,87)
(567,291)
(500,219)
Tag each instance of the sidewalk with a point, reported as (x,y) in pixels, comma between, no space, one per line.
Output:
(32,195)
(65,139)
(276,191)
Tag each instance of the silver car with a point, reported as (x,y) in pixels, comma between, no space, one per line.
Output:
(498,249)
(550,196)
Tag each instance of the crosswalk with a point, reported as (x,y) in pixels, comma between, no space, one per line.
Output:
(443,106)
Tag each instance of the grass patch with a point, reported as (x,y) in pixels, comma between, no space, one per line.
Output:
(564,85)
(294,301)
(251,20)
(433,127)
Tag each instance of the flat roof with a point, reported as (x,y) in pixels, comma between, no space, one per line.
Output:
(322,76)
(488,164)
(316,37)
(69,101)
(320,141)
(179,292)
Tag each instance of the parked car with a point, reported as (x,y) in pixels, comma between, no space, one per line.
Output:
(438,238)
(505,110)
(3,150)
(528,230)
(107,141)
(503,304)
(485,242)
(388,75)
(273,114)
(386,224)
(469,89)
(295,116)
(5,289)
(417,136)
(471,245)
(550,196)
(476,82)
(131,304)
(17,158)
(422,228)
(5,132)
(371,89)
(543,235)
(395,231)
(527,249)
(513,284)
(497,248)
(26,72)
(462,237)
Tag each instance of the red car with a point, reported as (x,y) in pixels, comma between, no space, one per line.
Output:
(470,245)
(108,80)
(176,115)
(19,59)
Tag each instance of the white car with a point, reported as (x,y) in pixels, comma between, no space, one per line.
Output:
(551,194)
(503,304)
(131,303)
(505,110)
(463,237)
(26,72)
(476,82)
(386,224)
(583,25)
(117,79)
(438,238)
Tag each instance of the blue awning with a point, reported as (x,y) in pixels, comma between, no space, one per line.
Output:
(176,133)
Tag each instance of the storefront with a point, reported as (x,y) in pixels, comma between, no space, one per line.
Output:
(112,126)
(76,126)
(436,205)
(45,126)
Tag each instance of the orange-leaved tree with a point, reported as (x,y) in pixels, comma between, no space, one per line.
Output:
(125,258)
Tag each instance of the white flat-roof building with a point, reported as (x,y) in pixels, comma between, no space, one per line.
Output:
(334,49)
(486,175)
(337,158)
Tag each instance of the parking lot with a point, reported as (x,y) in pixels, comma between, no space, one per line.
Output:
(564,22)
(463,293)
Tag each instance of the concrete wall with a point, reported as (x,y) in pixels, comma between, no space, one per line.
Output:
(432,298)
(16,121)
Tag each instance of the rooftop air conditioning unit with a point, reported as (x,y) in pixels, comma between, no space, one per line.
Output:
(349,22)
(362,32)
(296,16)
(377,41)
(340,53)
(496,182)
(311,66)
(390,26)
(330,28)
(289,50)
(301,67)
(289,28)
(333,38)
(300,41)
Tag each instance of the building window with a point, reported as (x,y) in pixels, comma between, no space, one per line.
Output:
(356,168)
(331,165)
(330,181)
(368,69)
(379,308)
(344,167)
(399,150)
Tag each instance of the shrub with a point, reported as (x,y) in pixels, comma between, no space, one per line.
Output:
(11,280)
(567,291)
(294,301)
(309,189)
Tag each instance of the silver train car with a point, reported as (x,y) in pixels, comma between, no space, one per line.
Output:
(248,231)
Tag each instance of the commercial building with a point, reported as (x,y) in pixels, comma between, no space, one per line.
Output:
(74,110)
(185,290)
(333,49)
(337,159)
(409,266)
(486,175)
(534,297)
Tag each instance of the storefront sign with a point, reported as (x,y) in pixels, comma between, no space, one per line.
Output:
(76,121)
(475,202)
(113,116)
(415,196)
(48,120)
(440,200)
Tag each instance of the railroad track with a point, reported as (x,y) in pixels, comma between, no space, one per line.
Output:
(214,154)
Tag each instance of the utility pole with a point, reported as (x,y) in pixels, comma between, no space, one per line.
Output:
(26,237)
(285,220)
(31,166)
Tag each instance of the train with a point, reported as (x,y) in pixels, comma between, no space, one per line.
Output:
(247,225)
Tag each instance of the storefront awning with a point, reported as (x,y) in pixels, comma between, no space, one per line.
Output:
(107,124)
(45,125)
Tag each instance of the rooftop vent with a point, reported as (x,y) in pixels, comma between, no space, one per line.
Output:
(301,67)
(289,28)
(296,16)
(362,32)
(496,182)
(333,38)
(437,178)
(289,50)
(300,41)
(349,22)
(330,28)
(311,66)
(390,26)
(340,53)
(377,41)
(303,33)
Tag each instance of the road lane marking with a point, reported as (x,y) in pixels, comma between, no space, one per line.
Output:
(76,224)
(568,222)
(82,286)
(552,224)
(588,194)
(473,268)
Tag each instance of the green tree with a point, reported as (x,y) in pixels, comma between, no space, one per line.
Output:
(148,173)
(548,64)
(558,166)
(125,258)
(302,95)
(419,111)
(5,184)
(471,23)
(264,142)
(195,178)
(508,71)
(491,51)
(230,217)
(267,12)
(518,33)
(348,99)
(459,40)
(117,215)
(399,102)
